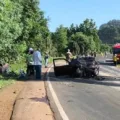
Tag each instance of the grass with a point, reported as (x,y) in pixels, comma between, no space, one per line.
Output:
(16,67)
(7,80)
(4,82)
(50,59)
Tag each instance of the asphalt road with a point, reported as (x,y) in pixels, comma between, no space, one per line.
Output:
(87,99)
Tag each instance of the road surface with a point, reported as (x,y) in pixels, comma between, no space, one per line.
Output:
(86,99)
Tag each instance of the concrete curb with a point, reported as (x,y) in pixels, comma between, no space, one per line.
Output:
(32,103)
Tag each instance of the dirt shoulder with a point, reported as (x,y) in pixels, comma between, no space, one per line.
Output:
(32,103)
(25,100)
(7,99)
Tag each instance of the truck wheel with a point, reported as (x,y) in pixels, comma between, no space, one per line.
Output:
(114,63)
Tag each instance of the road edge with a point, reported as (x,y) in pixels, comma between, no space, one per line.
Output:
(55,98)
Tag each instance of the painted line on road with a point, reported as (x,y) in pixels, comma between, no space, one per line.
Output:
(105,74)
(115,82)
(110,70)
(56,100)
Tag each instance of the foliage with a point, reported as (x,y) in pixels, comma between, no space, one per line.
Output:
(60,39)
(22,25)
(110,32)
(4,82)
(105,47)
(79,39)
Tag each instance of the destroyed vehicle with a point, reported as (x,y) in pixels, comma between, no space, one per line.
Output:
(79,67)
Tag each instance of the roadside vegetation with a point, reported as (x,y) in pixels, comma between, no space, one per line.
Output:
(4,82)
(12,76)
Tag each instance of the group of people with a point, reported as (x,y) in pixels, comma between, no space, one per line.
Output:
(34,63)
(93,54)
(69,55)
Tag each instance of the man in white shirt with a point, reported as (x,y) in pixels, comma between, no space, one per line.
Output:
(37,58)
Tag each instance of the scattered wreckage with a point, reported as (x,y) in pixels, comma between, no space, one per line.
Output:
(79,67)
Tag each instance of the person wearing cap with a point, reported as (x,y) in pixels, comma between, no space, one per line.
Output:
(30,63)
(37,58)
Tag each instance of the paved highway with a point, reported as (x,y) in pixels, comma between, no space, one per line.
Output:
(86,99)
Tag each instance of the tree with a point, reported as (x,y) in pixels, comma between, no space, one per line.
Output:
(60,39)
(84,42)
(79,39)
(105,47)
(110,32)
(71,30)
(22,25)
(35,29)
(88,27)
(10,28)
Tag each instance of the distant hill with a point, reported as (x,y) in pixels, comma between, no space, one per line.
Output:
(110,32)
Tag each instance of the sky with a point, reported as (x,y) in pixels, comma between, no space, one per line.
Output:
(66,12)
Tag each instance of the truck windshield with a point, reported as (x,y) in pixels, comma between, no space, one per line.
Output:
(116,50)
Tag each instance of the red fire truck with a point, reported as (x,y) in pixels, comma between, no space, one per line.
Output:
(116,52)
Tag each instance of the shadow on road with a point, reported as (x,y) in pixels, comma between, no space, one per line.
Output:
(100,80)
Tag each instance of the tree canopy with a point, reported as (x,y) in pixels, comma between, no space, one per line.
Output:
(23,25)
(110,32)
(80,39)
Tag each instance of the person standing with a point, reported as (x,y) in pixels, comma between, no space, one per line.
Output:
(29,61)
(46,59)
(115,59)
(105,54)
(37,58)
(94,54)
(68,55)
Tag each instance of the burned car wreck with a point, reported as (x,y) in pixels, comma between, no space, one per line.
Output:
(79,67)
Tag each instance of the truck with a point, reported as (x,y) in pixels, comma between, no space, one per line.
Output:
(116,53)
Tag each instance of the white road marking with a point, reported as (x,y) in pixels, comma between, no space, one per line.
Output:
(114,82)
(111,71)
(104,74)
(116,68)
(57,102)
